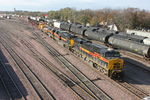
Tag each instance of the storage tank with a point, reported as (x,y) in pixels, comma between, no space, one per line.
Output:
(130,46)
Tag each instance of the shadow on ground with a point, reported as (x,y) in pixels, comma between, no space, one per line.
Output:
(136,72)
(6,78)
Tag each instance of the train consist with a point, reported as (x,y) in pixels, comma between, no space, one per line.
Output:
(105,59)
(133,43)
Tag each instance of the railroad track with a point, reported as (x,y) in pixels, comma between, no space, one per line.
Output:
(81,91)
(132,89)
(87,82)
(135,56)
(9,84)
(127,86)
(78,87)
(21,63)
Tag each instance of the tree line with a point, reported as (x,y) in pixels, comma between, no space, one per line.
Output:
(132,18)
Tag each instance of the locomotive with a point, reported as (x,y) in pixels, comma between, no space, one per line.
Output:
(106,60)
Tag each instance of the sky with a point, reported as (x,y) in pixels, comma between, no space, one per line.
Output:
(47,5)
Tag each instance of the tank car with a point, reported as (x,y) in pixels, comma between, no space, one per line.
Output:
(73,28)
(78,29)
(130,46)
(81,30)
(101,35)
(139,33)
(65,26)
(135,38)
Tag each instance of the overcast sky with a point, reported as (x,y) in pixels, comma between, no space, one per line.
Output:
(46,5)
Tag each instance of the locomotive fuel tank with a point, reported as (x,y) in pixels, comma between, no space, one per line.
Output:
(130,46)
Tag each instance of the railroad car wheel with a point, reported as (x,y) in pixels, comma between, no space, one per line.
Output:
(146,58)
(109,73)
(85,58)
(81,56)
(100,69)
(95,65)
(64,45)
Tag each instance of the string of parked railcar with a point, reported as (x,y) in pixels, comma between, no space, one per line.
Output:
(105,59)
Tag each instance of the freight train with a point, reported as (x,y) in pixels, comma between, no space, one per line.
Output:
(136,44)
(133,43)
(105,59)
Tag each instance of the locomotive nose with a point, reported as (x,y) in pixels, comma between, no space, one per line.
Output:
(118,64)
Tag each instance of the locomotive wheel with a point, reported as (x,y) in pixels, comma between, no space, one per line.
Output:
(81,56)
(146,58)
(95,65)
(100,69)
(85,59)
